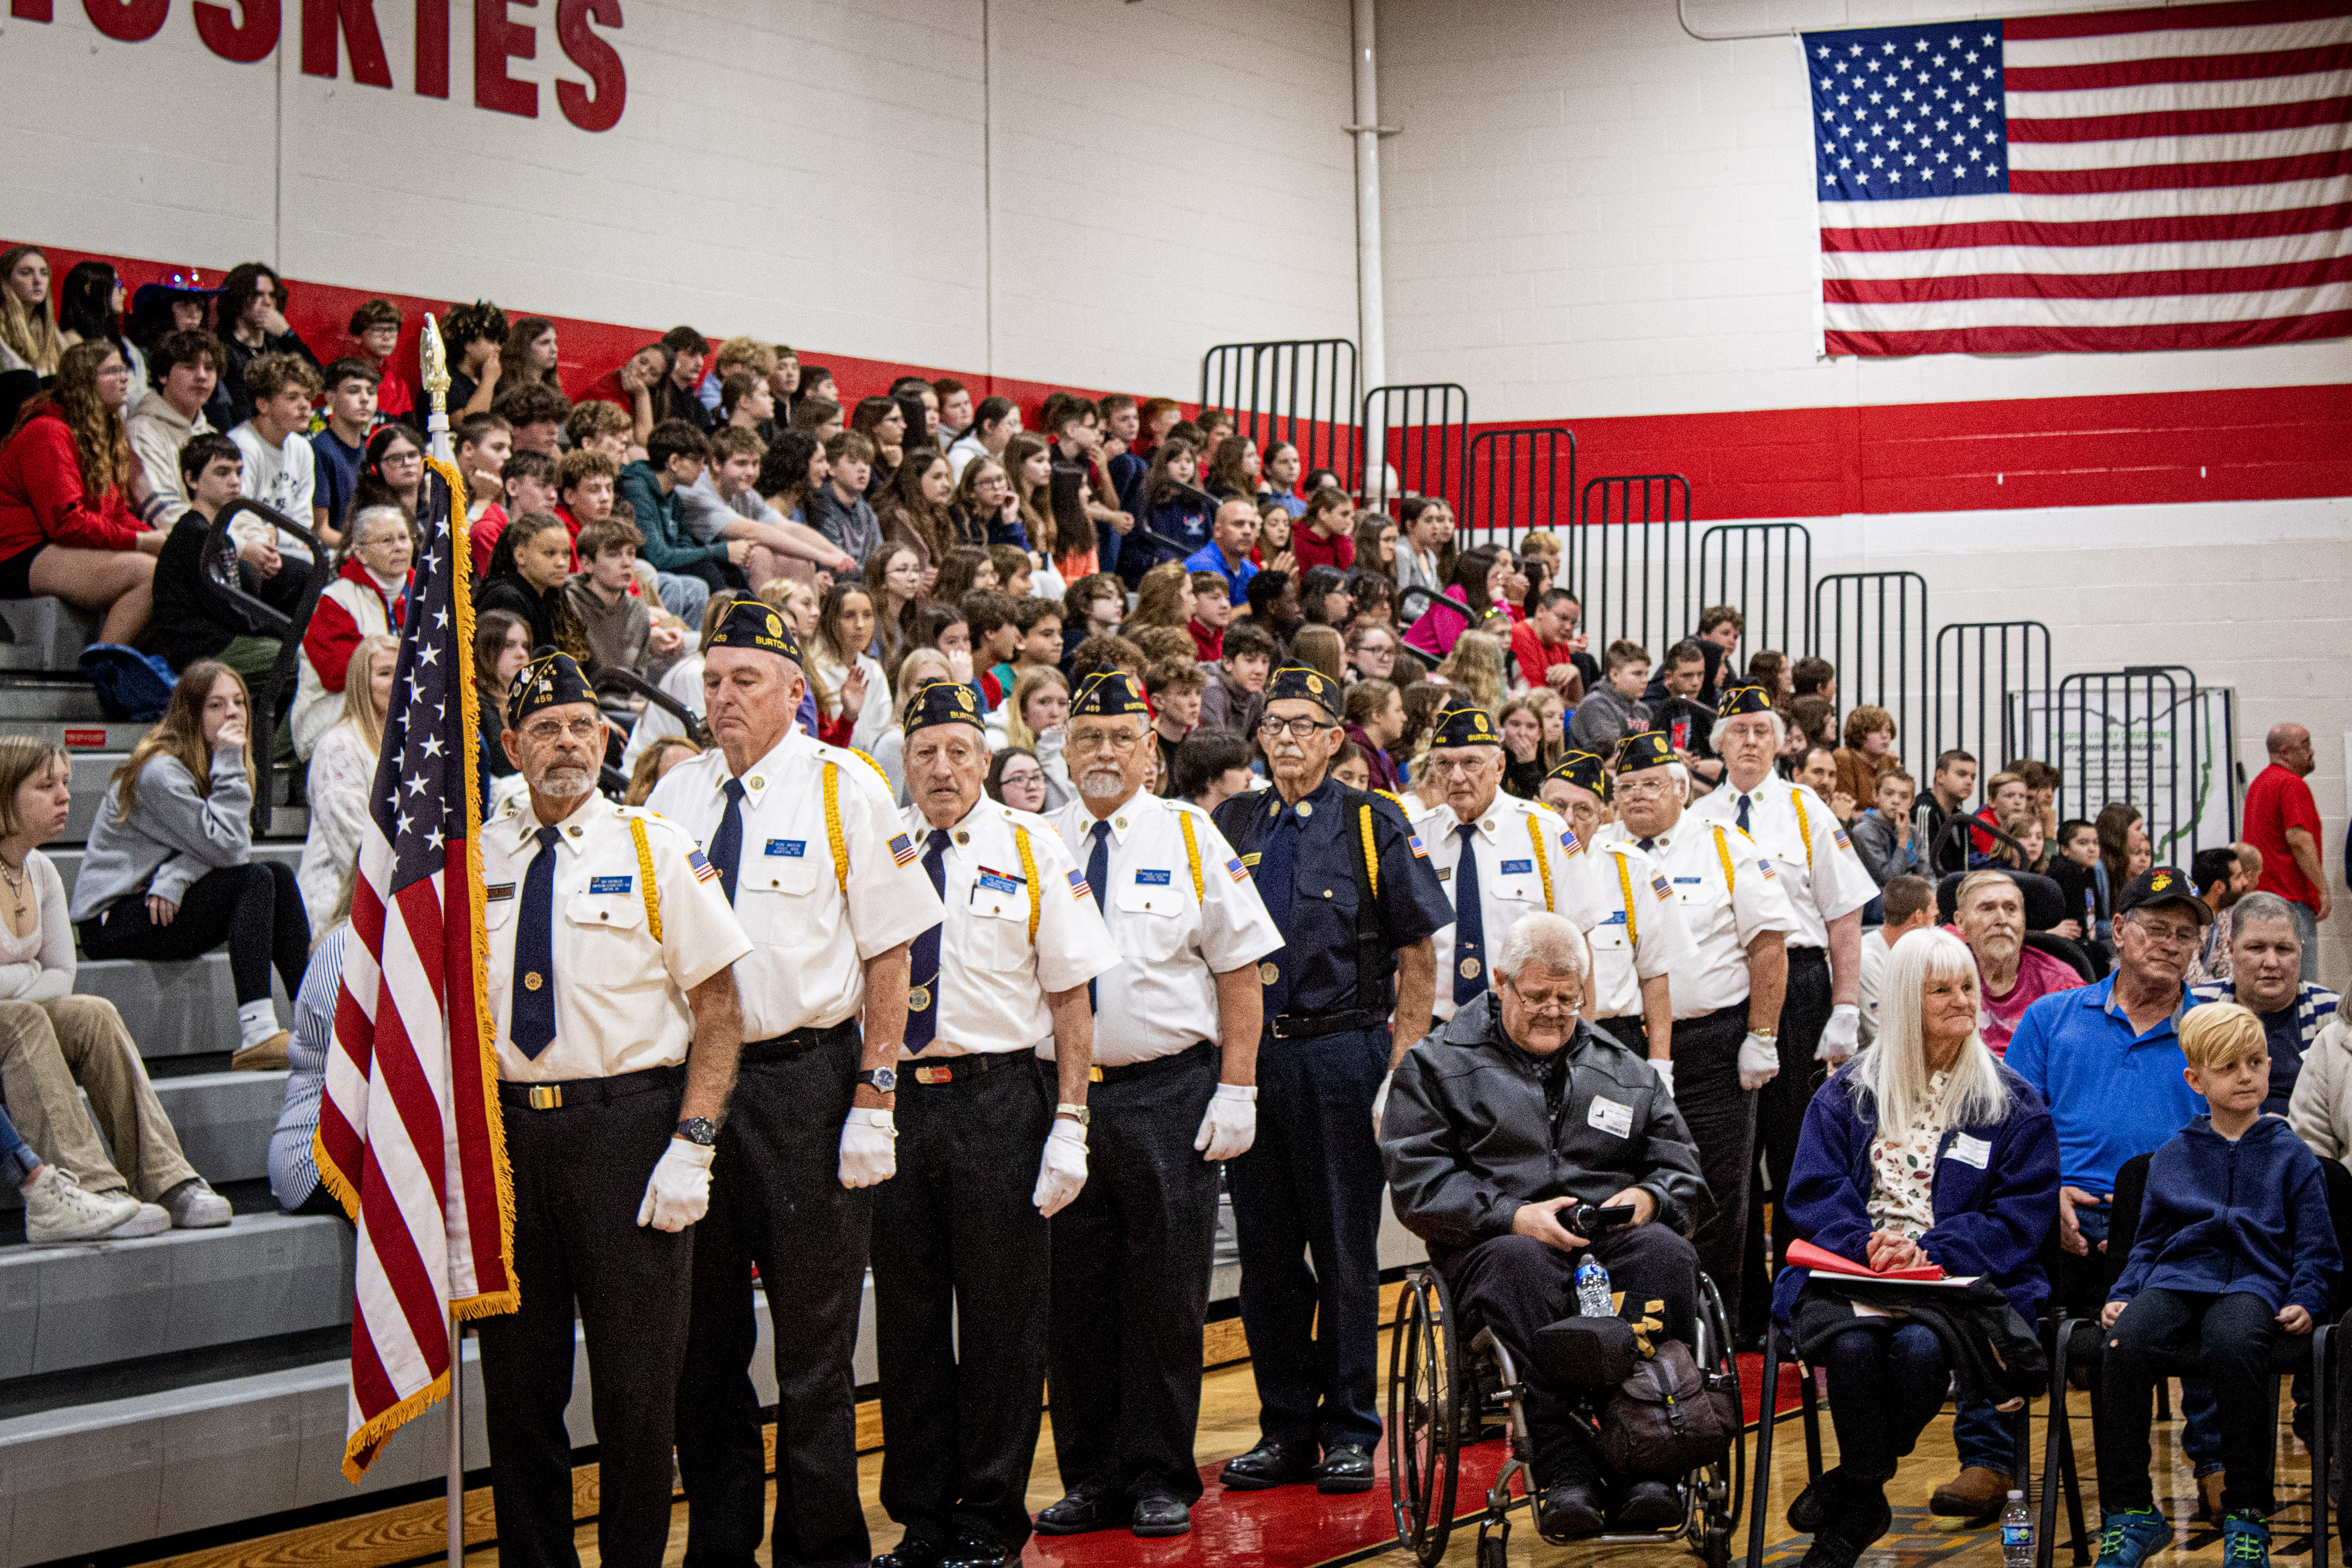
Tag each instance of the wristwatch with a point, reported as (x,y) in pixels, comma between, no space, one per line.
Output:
(700,1130)
(881,1080)
(1077,1114)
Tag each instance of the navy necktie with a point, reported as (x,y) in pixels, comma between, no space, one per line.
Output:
(727,843)
(1643,845)
(1098,879)
(923,955)
(1469,921)
(531,1020)
(1278,884)
(1743,814)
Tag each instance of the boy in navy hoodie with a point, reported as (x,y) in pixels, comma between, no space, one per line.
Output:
(2235,1246)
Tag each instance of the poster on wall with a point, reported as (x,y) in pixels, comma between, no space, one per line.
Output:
(2152,738)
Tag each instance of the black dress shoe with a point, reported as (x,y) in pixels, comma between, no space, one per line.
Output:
(1649,1505)
(1569,1510)
(911,1552)
(978,1552)
(1270,1464)
(1159,1515)
(1346,1467)
(1084,1510)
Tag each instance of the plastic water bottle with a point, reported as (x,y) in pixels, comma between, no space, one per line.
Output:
(1592,1290)
(2016,1533)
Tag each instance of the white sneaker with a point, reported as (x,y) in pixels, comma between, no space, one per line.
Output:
(151,1220)
(192,1206)
(57,1209)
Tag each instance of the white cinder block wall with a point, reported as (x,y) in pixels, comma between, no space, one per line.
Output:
(1078,190)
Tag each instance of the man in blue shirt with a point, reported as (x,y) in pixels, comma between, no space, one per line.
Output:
(2107,1059)
(1227,553)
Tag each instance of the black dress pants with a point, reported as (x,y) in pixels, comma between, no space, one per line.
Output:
(580,1174)
(1721,1117)
(1132,1259)
(1781,1108)
(962,1291)
(778,1202)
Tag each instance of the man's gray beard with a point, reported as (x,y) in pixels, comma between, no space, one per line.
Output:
(566,783)
(1102,784)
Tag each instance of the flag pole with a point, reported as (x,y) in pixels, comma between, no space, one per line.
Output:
(457,1442)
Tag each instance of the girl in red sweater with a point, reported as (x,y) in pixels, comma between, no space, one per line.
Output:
(68,494)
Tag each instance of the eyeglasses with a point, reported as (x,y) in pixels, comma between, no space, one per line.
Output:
(1469,769)
(1641,788)
(585,730)
(1297,728)
(1102,740)
(1011,780)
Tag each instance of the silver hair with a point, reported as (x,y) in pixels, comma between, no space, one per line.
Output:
(1780,732)
(2262,906)
(1546,940)
(1682,778)
(1893,1072)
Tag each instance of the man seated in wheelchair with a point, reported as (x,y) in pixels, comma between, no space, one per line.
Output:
(1497,1130)
(2235,1246)
(1924,1150)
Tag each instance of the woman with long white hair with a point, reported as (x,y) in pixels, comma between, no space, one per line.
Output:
(1925,1149)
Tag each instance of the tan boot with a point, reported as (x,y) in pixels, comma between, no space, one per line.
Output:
(2209,1495)
(1976,1494)
(267,1056)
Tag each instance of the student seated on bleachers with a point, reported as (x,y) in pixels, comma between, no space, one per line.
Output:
(528,571)
(67,494)
(56,1207)
(191,620)
(170,873)
(368,595)
(2235,1246)
(342,770)
(54,1045)
(622,633)
(293,1168)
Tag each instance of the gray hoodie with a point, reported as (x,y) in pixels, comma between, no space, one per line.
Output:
(172,837)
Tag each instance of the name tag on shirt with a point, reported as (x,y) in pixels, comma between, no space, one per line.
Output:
(1616,917)
(1610,1117)
(997,883)
(1969,1151)
(610,883)
(1151,879)
(791,849)
(496,891)
(1517,868)
(1687,882)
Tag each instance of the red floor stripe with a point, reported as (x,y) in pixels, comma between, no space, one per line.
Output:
(1295,1527)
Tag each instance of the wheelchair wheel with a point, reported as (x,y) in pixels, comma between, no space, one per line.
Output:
(1424,1387)
(1722,1486)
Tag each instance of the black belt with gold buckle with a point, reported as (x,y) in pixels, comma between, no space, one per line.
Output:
(574,1093)
(950,1069)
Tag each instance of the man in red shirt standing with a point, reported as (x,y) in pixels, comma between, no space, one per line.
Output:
(2283,824)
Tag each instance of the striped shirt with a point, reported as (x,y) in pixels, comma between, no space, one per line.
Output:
(293,1169)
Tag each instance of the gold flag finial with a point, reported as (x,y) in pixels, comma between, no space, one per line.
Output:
(437,366)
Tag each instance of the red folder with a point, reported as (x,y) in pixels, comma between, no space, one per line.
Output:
(1805,1255)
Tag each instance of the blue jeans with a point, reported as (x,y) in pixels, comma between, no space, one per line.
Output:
(1883,1390)
(19,1163)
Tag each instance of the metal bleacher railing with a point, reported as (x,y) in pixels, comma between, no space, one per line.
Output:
(1416,440)
(1302,391)
(1873,625)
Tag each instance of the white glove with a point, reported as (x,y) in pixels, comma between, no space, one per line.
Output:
(1664,1066)
(869,1148)
(1380,1102)
(1230,1127)
(1760,1061)
(1063,1171)
(1842,1036)
(678,1192)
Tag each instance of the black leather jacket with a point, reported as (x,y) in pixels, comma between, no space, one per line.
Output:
(1465,1142)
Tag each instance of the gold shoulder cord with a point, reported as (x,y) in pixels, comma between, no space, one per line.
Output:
(1723,854)
(833,827)
(1543,862)
(651,894)
(1192,853)
(1625,892)
(1804,828)
(1372,859)
(1028,870)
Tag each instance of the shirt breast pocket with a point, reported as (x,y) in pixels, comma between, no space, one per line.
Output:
(1610,936)
(1151,928)
(614,918)
(769,893)
(999,930)
(1520,895)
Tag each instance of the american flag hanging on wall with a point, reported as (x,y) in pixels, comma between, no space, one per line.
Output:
(2175,177)
(409,1137)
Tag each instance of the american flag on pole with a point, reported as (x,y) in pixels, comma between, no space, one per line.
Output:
(2175,177)
(410,1138)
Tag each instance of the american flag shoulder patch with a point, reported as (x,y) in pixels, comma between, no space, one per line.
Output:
(1078,888)
(1234,868)
(1843,841)
(703,869)
(1658,885)
(1571,843)
(1418,847)
(902,848)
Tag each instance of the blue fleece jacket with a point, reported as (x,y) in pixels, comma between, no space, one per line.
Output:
(1995,1193)
(2250,1215)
